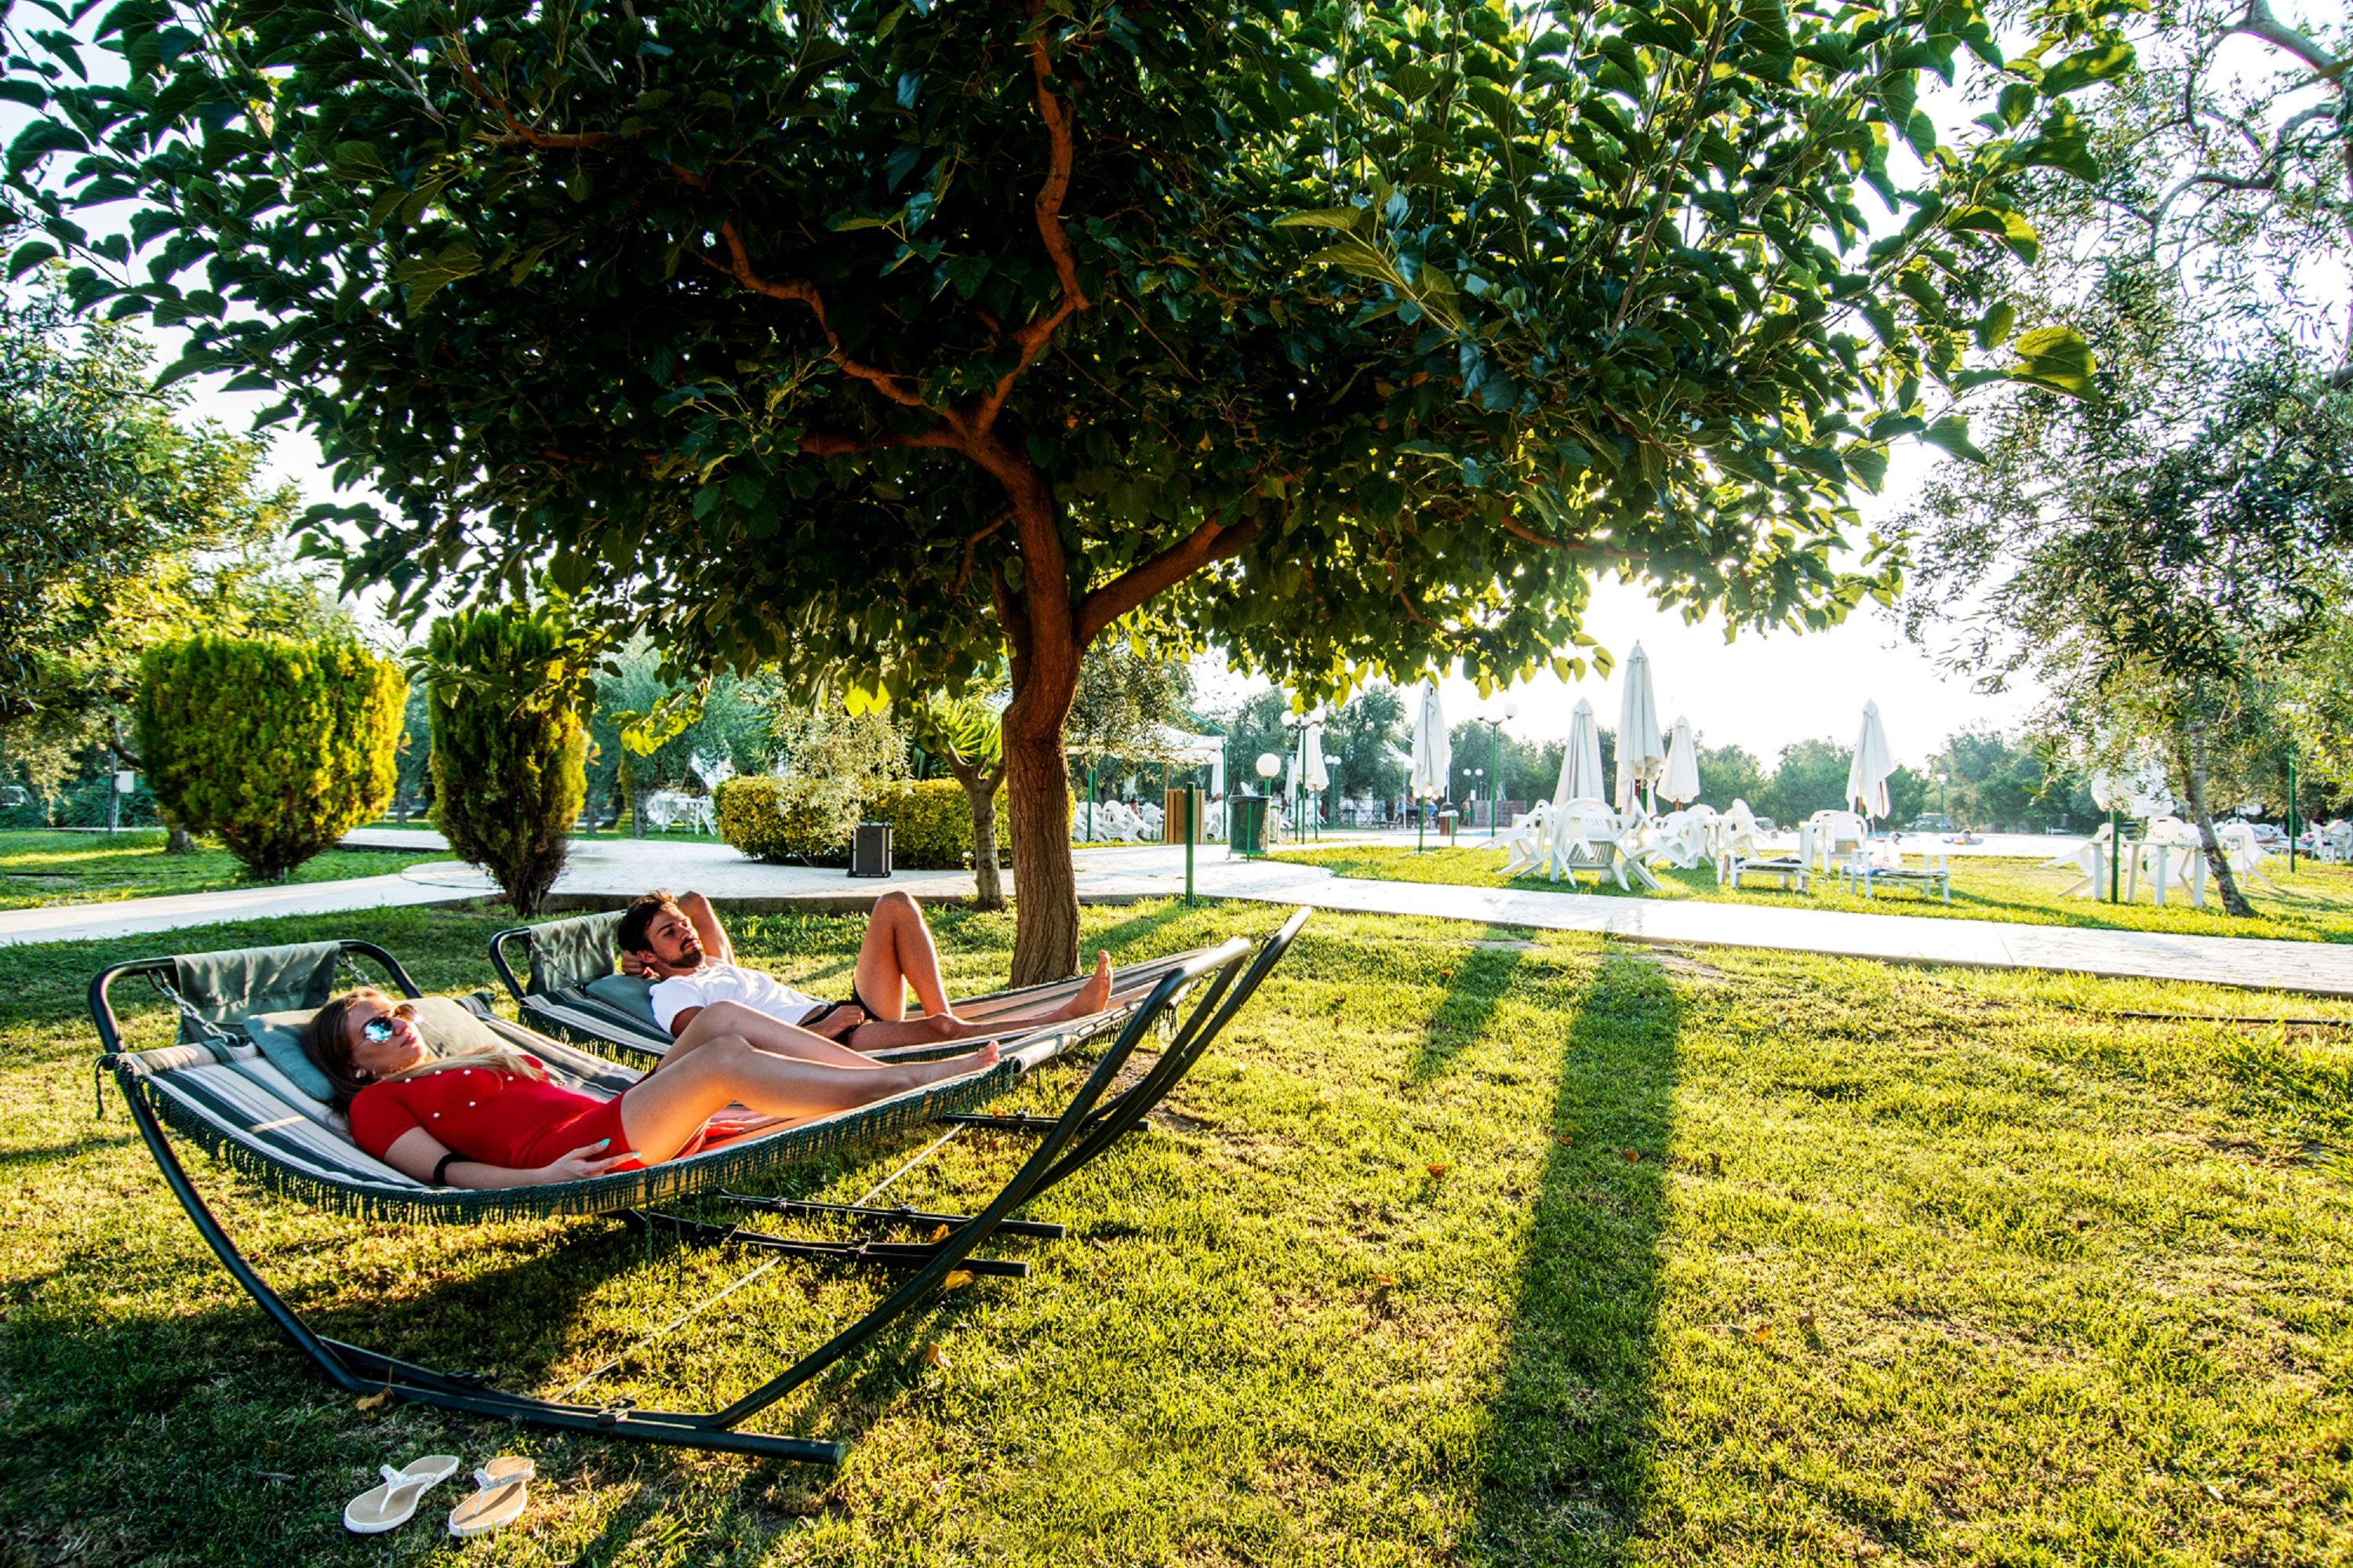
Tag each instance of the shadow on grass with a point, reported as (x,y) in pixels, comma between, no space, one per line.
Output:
(1475,985)
(1573,1422)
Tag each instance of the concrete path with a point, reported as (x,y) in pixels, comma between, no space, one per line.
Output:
(603,870)
(133,917)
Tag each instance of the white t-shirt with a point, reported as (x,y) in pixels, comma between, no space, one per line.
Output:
(755,989)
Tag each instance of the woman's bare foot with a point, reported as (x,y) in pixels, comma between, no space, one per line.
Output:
(948,1067)
(1095,994)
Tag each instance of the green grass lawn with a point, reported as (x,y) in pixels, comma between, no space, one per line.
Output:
(1463,1248)
(2314,904)
(39,868)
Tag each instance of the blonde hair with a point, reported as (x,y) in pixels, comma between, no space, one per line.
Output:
(327,1040)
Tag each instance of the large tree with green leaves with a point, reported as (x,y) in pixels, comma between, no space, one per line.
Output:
(123,523)
(883,339)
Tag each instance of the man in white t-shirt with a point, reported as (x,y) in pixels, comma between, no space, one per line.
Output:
(699,990)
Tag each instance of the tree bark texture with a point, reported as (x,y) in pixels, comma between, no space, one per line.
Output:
(1037,790)
(980,798)
(2192,745)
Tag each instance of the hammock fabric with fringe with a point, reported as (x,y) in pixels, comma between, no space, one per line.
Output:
(227,1097)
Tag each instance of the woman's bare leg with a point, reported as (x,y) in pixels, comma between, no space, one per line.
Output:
(722,1020)
(661,1113)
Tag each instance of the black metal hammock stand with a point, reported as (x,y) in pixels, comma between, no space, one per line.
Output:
(222,1092)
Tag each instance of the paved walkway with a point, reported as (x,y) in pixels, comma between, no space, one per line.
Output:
(603,870)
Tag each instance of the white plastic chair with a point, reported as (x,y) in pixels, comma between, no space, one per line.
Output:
(1579,829)
(1530,841)
(1839,842)
(2245,853)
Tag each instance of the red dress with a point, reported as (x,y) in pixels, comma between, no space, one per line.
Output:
(489,1117)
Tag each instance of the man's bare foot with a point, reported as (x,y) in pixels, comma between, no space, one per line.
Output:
(1095,994)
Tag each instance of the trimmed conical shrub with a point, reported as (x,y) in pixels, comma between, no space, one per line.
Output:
(509,755)
(278,748)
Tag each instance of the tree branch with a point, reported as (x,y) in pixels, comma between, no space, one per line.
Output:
(518,133)
(1031,337)
(1133,587)
(836,444)
(972,542)
(900,390)
(2259,23)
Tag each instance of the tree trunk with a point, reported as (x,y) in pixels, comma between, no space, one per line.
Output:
(176,840)
(980,797)
(2193,758)
(1037,790)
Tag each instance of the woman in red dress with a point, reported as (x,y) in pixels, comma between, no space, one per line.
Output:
(492,1118)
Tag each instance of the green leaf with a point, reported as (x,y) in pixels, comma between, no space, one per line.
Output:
(2055,357)
(1323,217)
(1995,326)
(29,255)
(2085,66)
(422,276)
(2010,227)
(39,140)
(1952,434)
(1868,464)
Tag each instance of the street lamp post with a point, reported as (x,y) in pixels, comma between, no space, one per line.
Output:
(1494,772)
(2291,805)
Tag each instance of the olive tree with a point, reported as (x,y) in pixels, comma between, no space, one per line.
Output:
(882,340)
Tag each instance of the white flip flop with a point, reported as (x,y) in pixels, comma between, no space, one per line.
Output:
(505,1483)
(393,1504)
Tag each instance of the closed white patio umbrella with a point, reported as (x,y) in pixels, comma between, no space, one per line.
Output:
(1580,764)
(1433,754)
(1679,781)
(1308,773)
(1312,773)
(1866,779)
(1641,750)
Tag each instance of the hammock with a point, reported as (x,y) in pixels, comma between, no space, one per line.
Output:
(570,987)
(227,1096)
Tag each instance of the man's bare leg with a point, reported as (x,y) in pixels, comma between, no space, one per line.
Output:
(944,1024)
(898,952)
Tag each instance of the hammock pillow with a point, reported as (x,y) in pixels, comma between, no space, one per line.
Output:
(279,1036)
(444,1022)
(632,994)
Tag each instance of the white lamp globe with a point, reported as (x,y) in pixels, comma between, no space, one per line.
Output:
(1269,765)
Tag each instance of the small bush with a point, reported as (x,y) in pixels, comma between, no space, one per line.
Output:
(930,822)
(769,817)
(278,748)
(509,755)
(777,818)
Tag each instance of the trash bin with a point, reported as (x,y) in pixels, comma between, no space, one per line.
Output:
(1171,818)
(1446,824)
(1245,825)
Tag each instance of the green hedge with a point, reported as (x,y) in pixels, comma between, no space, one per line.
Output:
(510,756)
(278,748)
(931,824)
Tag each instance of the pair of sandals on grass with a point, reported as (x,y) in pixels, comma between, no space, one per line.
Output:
(504,1485)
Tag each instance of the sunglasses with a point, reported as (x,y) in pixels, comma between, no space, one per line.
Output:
(377,1031)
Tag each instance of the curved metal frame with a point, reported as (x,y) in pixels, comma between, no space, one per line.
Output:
(1082,1130)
